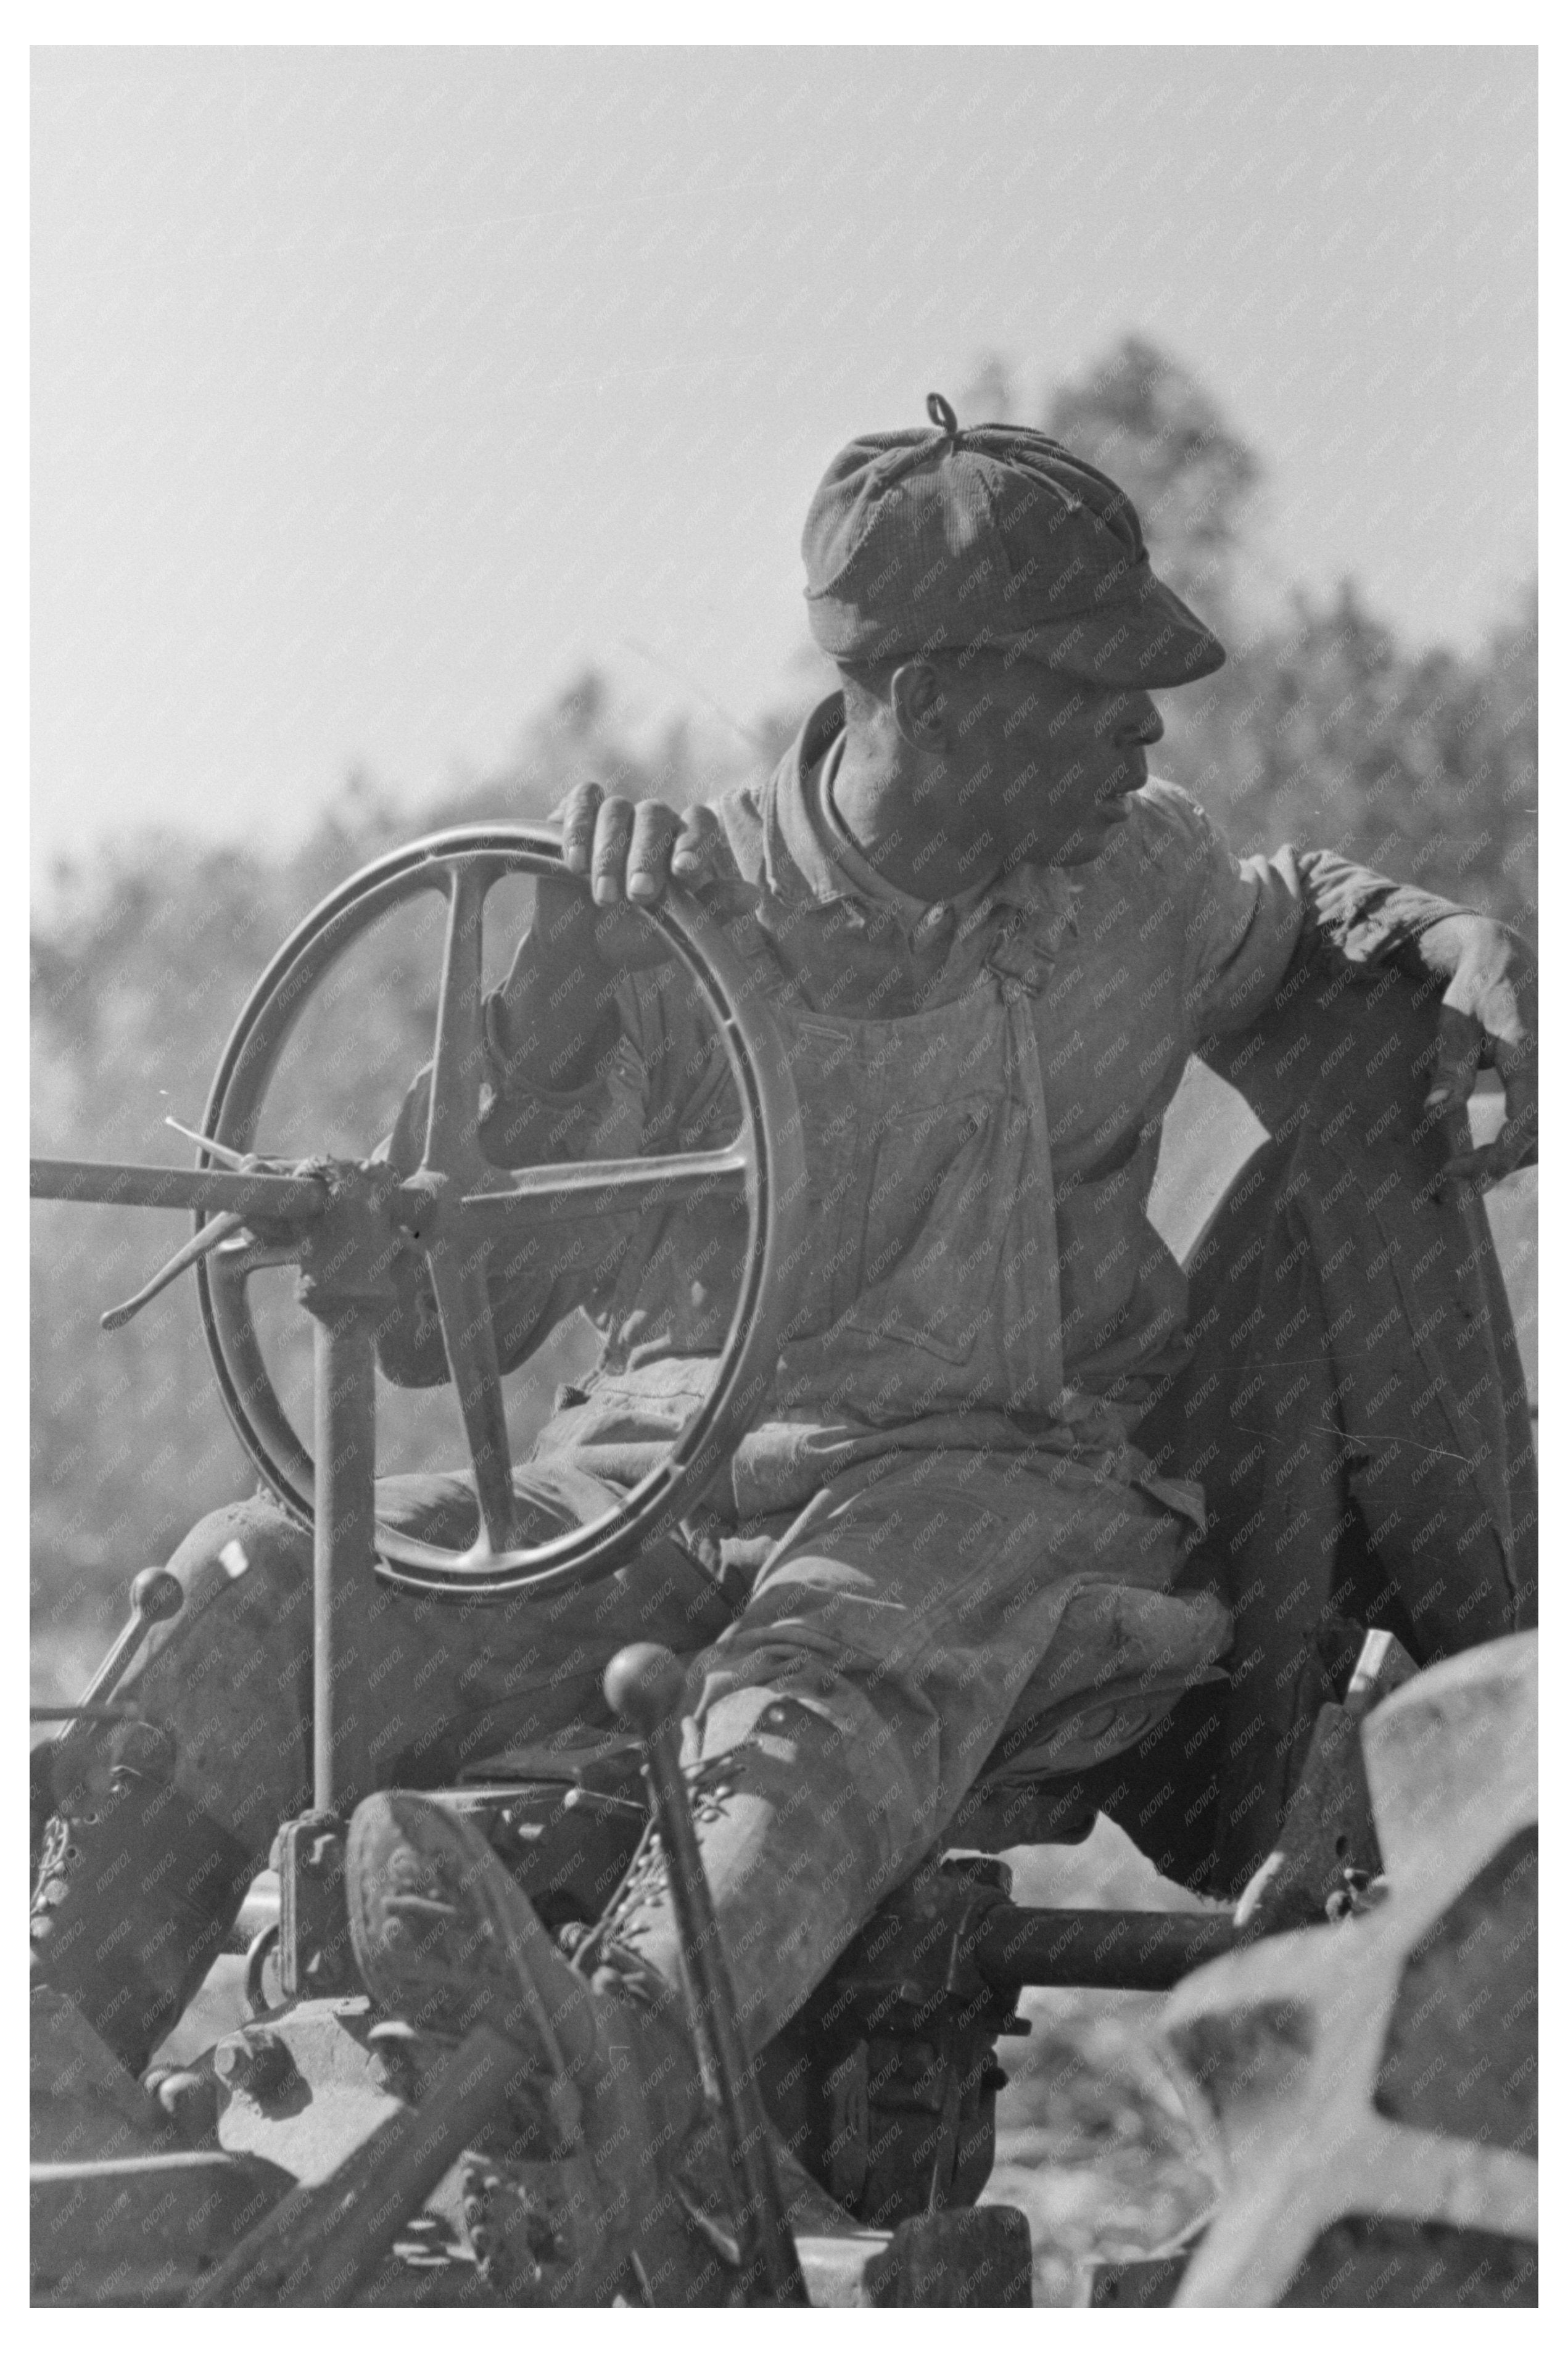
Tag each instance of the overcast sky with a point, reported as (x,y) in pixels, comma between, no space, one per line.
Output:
(377,391)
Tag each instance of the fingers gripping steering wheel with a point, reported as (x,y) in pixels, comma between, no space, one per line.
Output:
(465,1206)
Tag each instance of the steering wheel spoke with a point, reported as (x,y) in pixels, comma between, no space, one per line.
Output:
(468,1331)
(457,1077)
(608,1188)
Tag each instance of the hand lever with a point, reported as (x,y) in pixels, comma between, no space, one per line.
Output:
(155,1596)
(224,1153)
(643,1685)
(218,1230)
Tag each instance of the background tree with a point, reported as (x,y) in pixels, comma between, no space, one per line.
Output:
(1146,420)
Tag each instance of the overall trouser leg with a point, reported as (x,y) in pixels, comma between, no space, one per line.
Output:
(839,1723)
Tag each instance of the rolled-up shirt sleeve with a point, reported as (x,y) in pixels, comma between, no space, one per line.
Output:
(1248,920)
(1242,917)
(1369,918)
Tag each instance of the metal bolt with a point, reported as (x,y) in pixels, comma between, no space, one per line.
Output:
(189,2100)
(392,2044)
(258,2062)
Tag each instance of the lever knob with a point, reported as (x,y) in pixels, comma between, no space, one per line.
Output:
(643,1685)
(155,1595)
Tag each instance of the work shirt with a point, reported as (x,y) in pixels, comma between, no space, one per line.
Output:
(981,1081)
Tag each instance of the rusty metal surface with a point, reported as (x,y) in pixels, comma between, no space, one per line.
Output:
(305,2097)
(338,2089)
(1132,1951)
(82,2103)
(326,2238)
(142,2229)
(314,1953)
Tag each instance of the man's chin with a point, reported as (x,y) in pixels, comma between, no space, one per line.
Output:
(1091,841)
(1094,840)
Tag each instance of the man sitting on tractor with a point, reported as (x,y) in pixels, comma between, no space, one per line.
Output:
(990,942)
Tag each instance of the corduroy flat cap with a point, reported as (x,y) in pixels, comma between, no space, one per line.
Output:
(990,535)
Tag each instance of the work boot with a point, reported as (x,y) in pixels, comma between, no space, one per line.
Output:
(136,1891)
(791,1850)
(445,1939)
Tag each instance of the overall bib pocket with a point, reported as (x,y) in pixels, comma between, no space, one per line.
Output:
(935,1215)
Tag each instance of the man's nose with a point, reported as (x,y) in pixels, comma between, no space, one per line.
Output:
(1141,723)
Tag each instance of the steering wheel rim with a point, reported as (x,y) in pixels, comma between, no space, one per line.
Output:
(765,1161)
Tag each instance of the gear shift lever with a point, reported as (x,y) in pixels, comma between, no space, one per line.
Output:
(643,1685)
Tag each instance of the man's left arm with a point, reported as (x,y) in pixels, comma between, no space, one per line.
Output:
(1255,920)
(1488,1013)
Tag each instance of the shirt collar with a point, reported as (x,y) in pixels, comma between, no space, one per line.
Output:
(795,860)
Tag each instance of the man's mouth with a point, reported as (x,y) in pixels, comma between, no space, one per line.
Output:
(1130,772)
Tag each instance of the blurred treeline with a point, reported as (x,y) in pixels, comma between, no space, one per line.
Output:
(1323,728)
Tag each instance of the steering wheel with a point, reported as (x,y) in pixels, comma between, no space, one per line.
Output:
(465,1210)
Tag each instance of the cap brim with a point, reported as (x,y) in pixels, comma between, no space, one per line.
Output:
(1151,638)
(1139,633)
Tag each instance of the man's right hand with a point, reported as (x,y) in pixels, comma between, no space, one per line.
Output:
(629,852)
(555,1017)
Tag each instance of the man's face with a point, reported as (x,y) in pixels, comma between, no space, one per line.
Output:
(1047,760)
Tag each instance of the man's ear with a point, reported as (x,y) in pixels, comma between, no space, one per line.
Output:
(916,697)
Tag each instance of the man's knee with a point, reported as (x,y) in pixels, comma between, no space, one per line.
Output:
(864,1741)
(252,1550)
(256,1547)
